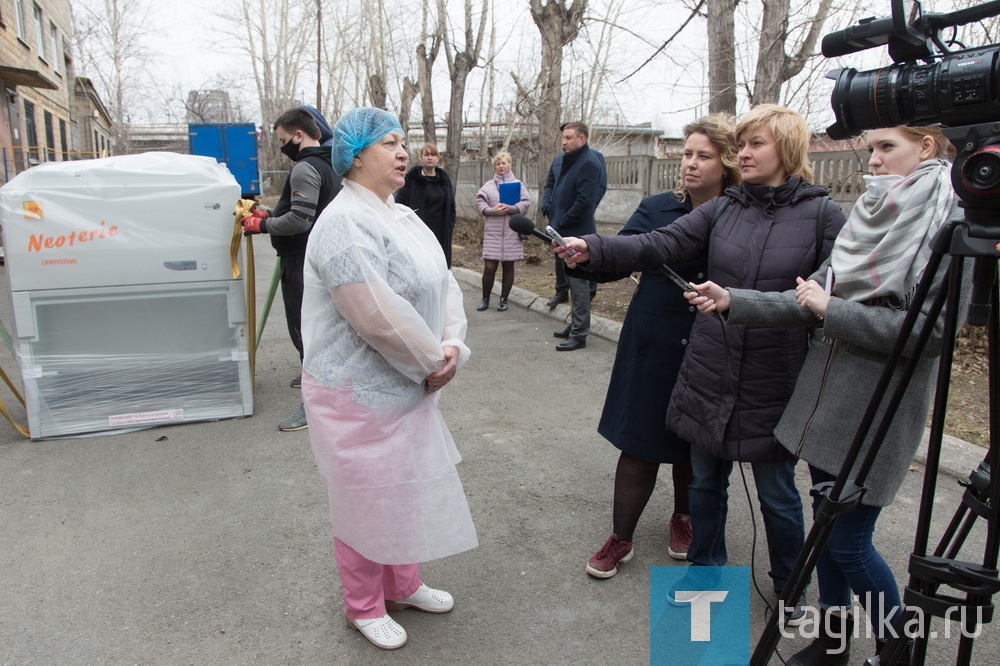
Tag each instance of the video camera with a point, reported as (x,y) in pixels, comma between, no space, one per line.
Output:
(954,88)
(957,89)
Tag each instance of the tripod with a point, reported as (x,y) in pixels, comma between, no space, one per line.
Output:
(977,236)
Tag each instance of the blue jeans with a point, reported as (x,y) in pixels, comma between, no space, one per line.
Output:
(780,504)
(850,562)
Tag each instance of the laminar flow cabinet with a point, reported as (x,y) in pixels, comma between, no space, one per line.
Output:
(128,307)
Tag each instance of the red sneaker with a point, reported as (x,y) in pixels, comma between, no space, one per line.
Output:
(614,552)
(680,536)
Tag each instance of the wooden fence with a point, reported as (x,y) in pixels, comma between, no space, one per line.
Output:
(840,171)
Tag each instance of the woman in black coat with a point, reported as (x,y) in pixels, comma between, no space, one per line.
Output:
(428,191)
(652,343)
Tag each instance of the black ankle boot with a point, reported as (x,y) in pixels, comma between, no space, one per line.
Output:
(833,645)
(503,305)
(484,304)
(907,653)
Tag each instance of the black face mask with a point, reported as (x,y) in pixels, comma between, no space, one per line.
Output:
(291,149)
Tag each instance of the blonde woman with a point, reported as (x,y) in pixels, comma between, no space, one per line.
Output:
(501,244)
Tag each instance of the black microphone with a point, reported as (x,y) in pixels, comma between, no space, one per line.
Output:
(525,226)
(653,259)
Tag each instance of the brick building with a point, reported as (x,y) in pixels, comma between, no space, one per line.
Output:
(42,102)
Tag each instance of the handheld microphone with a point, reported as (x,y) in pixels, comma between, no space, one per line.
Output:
(525,226)
(653,259)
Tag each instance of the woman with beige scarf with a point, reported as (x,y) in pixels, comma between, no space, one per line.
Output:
(858,299)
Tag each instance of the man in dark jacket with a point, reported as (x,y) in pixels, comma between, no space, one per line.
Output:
(573,188)
(310,186)
(562,286)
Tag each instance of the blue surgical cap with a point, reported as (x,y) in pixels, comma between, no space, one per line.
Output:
(356,130)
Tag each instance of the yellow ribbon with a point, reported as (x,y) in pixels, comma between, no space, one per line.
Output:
(245,207)
(3,408)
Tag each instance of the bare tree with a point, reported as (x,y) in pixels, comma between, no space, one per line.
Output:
(488,90)
(774,65)
(409,92)
(722,56)
(274,34)
(431,38)
(110,36)
(461,60)
(558,24)
(375,52)
(342,75)
(588,82)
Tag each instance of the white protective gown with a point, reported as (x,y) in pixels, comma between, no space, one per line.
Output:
(378,306)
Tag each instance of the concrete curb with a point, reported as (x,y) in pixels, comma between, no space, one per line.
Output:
(958,457)
(607,329)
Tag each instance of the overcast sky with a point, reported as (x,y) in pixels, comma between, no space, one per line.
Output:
(191,45)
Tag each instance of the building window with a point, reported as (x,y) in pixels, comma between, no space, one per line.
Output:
(19,18)
(40,33)
(96,144)
(63,140)
(50,138)
(55,47)
(31,132)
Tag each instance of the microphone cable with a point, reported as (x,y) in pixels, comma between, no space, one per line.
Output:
(768,609)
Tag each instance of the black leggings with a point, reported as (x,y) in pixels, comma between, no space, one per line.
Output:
(634,482)
(490,274)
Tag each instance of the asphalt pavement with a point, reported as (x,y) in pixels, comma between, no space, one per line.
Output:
(210,543)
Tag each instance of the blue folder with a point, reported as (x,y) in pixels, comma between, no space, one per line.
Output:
(510,193)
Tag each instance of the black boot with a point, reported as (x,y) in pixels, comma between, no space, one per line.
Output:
(833,645)
(905,659)
(484,304)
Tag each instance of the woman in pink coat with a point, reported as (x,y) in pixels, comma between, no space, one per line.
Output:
(501,244)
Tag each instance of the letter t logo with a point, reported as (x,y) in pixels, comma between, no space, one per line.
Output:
(701,610)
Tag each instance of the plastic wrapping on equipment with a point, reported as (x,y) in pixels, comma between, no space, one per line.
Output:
(125,305)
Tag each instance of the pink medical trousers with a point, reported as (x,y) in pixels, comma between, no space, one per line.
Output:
(368,584)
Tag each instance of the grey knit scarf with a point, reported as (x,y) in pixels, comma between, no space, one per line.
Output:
(883,248)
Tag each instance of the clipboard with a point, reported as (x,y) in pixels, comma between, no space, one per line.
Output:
(510,193)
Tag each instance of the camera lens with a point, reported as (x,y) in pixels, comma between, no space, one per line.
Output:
(863,100)
(981,171)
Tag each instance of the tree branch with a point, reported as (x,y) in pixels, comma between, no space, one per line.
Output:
(691,16)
